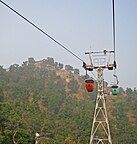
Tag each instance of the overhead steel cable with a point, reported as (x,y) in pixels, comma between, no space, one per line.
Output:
(114,41)
(53,39)
(114,37)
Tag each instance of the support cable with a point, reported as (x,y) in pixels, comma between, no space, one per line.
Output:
(41,31)
(114,40)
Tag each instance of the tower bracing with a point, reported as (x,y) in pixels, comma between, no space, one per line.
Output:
(100,133)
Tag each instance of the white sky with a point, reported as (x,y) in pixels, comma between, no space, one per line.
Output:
(78,25)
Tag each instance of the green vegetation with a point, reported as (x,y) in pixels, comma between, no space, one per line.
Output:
(34,99)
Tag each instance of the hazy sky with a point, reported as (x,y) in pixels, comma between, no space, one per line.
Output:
(80,25)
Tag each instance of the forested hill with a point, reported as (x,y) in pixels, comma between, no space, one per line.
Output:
(49,98)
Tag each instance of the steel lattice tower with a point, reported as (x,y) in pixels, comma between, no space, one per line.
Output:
(100,133)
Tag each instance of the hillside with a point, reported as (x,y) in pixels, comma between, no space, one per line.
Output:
(46,98)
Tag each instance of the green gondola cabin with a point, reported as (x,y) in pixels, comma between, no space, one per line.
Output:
(114,90)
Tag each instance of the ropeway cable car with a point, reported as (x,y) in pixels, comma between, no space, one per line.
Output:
(89,82)
(114,88)
(89,85)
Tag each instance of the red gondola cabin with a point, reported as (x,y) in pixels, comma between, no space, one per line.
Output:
(89,85)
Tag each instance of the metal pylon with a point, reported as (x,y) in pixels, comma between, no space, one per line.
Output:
(100,133)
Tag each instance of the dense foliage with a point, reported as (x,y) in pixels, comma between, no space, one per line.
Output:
(34,99)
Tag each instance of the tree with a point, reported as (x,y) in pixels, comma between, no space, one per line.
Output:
(76,71)
(60,66)
(50,61)
(68,67)
(14,67)
(31,61)
(2,70)
(73,85)
(56,64)
(25,64)
(129,92)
